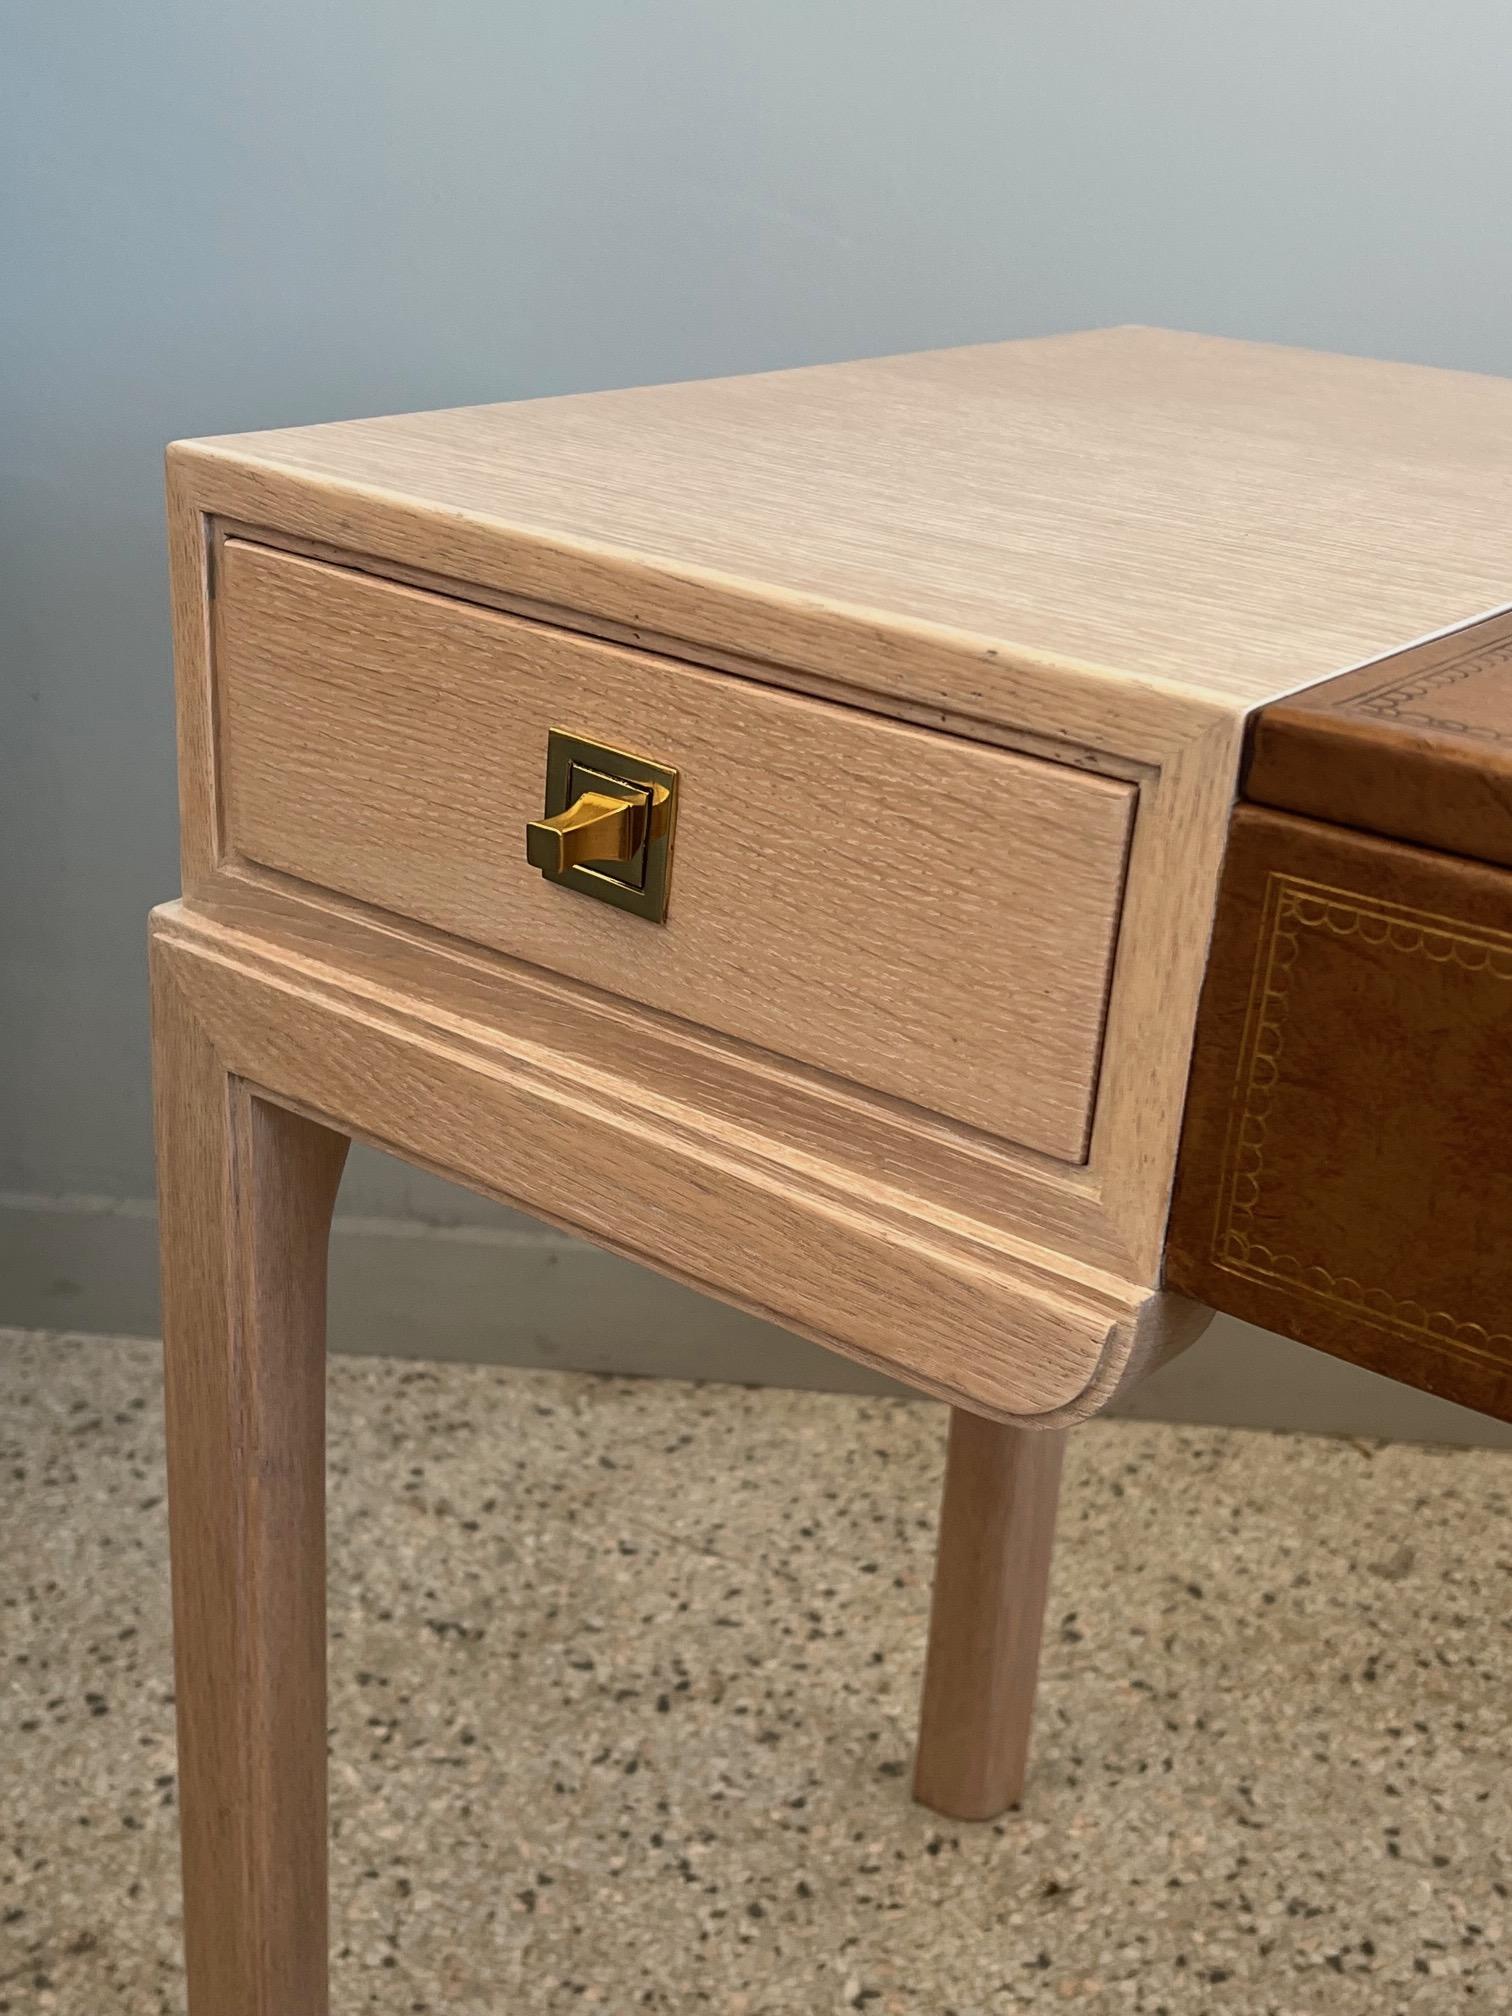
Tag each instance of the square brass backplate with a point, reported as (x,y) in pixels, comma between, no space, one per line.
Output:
(575,765)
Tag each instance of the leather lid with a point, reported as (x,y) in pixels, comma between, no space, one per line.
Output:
(1416,746)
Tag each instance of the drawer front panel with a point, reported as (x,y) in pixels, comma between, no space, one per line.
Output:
(926,916)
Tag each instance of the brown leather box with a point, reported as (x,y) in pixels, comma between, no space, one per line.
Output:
(1346,1165)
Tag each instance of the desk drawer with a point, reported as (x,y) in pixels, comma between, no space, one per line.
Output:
(925,916)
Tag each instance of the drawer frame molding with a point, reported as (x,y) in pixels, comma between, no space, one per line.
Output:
(434,1056)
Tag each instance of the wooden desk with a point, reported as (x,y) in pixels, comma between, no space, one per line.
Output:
(927,684)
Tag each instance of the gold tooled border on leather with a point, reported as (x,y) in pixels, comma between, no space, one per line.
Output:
(1394,699)
(1295,906)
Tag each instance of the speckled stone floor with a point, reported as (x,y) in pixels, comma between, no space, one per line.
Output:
(623,1686)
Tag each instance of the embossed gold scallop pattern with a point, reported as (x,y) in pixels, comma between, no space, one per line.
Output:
(1293,908)
(1346,1173)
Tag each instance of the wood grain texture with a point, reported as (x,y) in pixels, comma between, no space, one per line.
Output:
(1346,1162)
(1231,519)
(1112,1211)
(189,560)
(997,1533)
(1417,746)
(986,1322)
(1101,549)
(1180,749)
(888,1154)
(245,1190)
(830,867)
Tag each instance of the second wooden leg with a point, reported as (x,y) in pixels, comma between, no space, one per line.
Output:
(997,1530)
(246,1191)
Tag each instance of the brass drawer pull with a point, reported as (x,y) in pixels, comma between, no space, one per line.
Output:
(595,827)
(607,826)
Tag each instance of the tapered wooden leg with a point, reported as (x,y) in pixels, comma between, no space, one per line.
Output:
(997,1529)
(246,1191)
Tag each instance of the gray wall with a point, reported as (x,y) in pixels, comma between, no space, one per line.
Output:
(219,217)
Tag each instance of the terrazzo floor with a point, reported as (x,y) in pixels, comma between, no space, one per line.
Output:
(624,1677)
